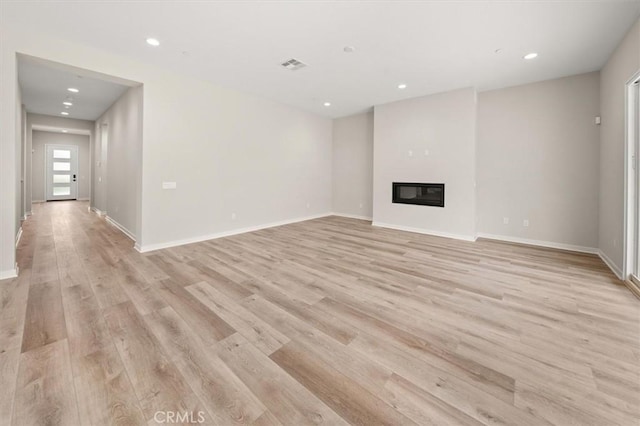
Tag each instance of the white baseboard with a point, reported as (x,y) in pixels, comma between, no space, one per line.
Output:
(424,231)
(540,243)
(37,201)
(18,236)
(633,284)
(98,211)
(611,264)
(124,230)
(151,247)
(11,273)
(352,216)
(83,199)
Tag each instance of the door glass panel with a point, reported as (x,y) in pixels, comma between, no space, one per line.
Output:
(61,153)
(61,190)
(61,167)
(61,178)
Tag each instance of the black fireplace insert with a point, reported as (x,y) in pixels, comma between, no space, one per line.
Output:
(422,194)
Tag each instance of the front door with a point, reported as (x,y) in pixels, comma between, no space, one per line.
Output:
(61,172)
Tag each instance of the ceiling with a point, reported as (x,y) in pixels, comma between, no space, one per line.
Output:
(44,89)
(431,46)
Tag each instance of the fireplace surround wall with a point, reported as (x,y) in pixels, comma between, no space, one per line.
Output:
(427,140)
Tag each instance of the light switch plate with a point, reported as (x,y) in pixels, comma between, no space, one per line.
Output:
(169,185)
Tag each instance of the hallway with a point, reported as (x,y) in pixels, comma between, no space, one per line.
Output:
(329,320)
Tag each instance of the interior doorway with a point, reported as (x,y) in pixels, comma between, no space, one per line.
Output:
(61,172)
(93,122)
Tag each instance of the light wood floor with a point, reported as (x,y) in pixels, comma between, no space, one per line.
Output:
(329,321)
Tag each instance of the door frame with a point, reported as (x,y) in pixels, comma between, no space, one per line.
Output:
(46,168)
(631,170)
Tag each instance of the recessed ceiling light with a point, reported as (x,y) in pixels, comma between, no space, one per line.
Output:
(531,55)
(327,104)
(402,86)
(153,42)
(349,49)
(64,131)
(73,90)
(67,103)
(64,113)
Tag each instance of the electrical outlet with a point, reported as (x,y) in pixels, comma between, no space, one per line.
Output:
(426,152)
(525,223)
(360,205)
(505,220)
(410,153)
(308,205)
(233,216)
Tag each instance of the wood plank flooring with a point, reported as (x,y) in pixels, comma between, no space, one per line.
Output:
(329,321)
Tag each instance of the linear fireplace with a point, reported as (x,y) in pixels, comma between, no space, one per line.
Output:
(422,194)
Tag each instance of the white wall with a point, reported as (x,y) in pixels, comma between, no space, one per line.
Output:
(39,140)
(445,125)
(622,65)
(228,152)
(9,98)
(353,165)
(538,150)
(118,173)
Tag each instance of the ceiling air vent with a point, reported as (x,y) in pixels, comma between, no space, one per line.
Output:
(293,64)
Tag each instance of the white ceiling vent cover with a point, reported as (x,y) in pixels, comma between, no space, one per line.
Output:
(293,64)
